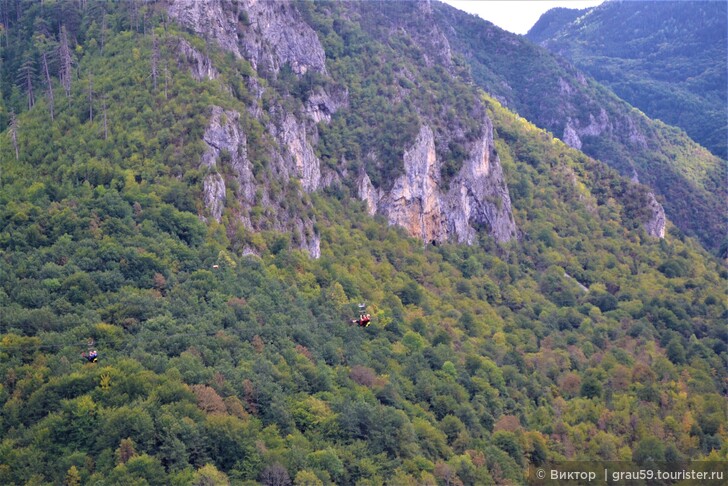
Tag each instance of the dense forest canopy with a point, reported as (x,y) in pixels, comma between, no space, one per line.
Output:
(226,355)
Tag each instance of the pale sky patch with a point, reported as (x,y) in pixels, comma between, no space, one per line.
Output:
(516,16)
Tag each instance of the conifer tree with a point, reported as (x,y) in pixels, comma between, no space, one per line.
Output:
(49,86)
(14,133)
(106,125)
(91,98)
(73,478)
(25,79)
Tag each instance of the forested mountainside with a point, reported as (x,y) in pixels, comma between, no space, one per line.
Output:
(669,59)
(553,94)
(210,212)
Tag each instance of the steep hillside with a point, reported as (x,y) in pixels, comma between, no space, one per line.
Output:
(551,22)
(669,59)
(554,95)
(200,210)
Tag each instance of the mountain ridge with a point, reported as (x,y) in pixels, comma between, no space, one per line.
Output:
(669,60)
(687,179)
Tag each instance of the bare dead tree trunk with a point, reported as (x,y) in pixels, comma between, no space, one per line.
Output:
(29,87)
(51,100)
(155,60)
(135,15)
(66,71)
(6,21)
(103,31)
(90,98)
(14,133)
(106,126)
(166,80)
(144,22)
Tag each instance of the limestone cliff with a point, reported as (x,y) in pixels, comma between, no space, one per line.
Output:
(276,34)
(227,153)
(477,197)
(210,19)
(226,143)
(199,64)
(368,193)
(600,124)
(655,225)
(415,200)
(298,157)
(323,103)
(268,34)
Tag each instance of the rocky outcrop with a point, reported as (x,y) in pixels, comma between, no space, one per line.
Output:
(574,130)
(276,34)
(213,188)
(655,225)
(415,200)
(570,137)
(414,20)
(436,46)
(368,193)
(226,144)
(477,197)
(227,153)
(199,64)
(300,154)
(212,19)
(268,34)
(322,104)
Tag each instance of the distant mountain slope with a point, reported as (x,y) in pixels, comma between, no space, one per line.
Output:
(553,94)
(552,22)
(668,59)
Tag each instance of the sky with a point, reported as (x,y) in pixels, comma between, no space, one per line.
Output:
(516,16)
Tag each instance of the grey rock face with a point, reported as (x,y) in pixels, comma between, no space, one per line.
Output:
(477,198)
(269,34)
(575,130)
(368,193)
(277,34)
(655,226)
(433,39)
(214,195)
(570,137)
(199,64)
(211,19)
(479,195)
(273,34)
(299,157)
(415,200)
(321,105)
(226,143)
